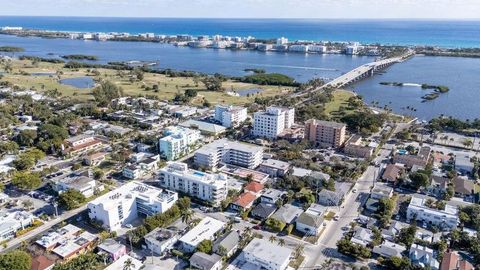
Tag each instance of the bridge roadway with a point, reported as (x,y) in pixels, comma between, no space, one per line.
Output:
(358,73)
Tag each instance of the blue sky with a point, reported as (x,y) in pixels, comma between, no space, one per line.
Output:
(442,9)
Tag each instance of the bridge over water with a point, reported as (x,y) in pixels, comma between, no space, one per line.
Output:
(359,73)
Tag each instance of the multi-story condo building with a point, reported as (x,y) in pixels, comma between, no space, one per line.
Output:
(229,152)
(178,142)
(325,133)
(205,186)
(273,121)
(230,116)
(446,218)
(124,204)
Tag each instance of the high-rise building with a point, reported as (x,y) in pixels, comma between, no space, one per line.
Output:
(178,142)
(325,133)
(229,152)
(273,121)
(230,116)
(205,186)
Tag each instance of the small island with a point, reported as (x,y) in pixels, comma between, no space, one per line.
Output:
(11,49)
(80,57)
(438,89)
(255,70)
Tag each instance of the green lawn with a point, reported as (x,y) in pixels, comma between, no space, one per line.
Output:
(340,98)
(168,86)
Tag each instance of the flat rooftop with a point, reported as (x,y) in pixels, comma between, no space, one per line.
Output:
(268,251)
(228,144)
(206,229)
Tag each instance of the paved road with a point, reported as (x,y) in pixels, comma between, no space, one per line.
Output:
(45,227)
(326,246)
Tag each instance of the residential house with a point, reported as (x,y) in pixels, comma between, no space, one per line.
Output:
(463,186)
(263,211)
(203,261)
(11,222)
(120,264)
(288,214)
(463,164)
(254,187)
(274,168)
(391,173)
(362,236)
(389,249)
(271,195)
(227,244)
(423,256)
(453,261)
(330,198)
(112,249)
(94,159)
(41,262)
(438,185)
(161,240)
(207,229)
(243,202)
(266,255)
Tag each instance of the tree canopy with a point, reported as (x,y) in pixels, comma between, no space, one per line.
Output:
(106,92)
(26,180)
(71,199)
(15,260)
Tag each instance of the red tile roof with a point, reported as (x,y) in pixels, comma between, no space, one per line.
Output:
(245,199)
(254,187)
(41,262)
(452,261)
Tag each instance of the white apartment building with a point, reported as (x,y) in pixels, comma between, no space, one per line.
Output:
(205,186)
(298,48)
(205,230)
(267,255)
(273,121)
(230,116)
(11,222)
(124,204)
(444,219)
(141,167)
(282,41)
(229,152)
(76,181)
(317,48)
(179,141)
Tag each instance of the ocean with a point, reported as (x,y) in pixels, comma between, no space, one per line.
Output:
(459,74)
(456,34)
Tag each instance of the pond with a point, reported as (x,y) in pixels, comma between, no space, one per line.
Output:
(42,73)
(246,92)
(79,82)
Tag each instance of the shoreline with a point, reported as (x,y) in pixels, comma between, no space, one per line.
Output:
(280,44)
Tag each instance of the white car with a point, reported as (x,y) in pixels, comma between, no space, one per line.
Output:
(354,190)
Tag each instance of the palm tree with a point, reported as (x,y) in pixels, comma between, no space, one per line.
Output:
(128,264)
(281,242)
(272,239)
(467,143)
(187,216)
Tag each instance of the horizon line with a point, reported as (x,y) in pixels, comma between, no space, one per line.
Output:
(247,18)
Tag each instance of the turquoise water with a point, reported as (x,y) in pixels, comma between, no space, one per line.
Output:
(406,32)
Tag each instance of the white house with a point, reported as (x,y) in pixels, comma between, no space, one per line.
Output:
(161,240)
(11,222)
(267,255)
(207,229)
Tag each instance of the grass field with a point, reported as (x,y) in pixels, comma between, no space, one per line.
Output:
(168,87)
(340,98)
